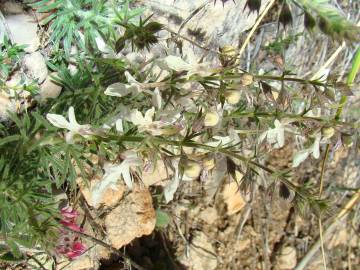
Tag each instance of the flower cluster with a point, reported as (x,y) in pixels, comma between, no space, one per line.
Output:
(69,244)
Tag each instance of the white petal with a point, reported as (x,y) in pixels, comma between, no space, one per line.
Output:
(119,89)
(262,137)
(69,137)
(102,45)
(149,115)
(58,120)
(72,118)
(127,177)
(156,98)
(316,146)
(119,125)
(137,118)
(277,123)
(171,188)
(174,63)
(280,137)
(130,78)
(300,157)
(110,178)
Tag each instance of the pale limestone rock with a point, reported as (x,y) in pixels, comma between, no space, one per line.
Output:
(157,175)
(11,7)
(209,215)
(233,198)
(287,259)
(84,262)
(23,30)
(200,254)
(109,198)
(220,25)
(49,89)
(6,105)
(132,218)
(17,79)
(35,66)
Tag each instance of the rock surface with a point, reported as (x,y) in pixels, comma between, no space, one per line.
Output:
(227,22)
(49,89)
(233,198)
(23,30)
(132,218)
(109,198)
(200,255)
(157,175)
(287,259)
(6,105)
(11,7)
(35,66)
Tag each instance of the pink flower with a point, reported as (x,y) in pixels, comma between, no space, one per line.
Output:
(69,213)
(69,243)
(71,225)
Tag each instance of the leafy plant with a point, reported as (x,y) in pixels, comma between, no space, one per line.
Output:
(329,20)
(140,36)
(83,23)
(10,56)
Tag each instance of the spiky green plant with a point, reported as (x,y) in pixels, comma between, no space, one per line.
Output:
(10,56)
(329,20)
(82,23)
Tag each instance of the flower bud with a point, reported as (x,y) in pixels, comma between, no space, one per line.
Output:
(192,169)
(227,55)
(211,119)
(232,96)
(246,79)
(327,132)
(347,140)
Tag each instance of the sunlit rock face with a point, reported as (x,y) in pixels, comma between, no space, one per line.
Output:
(211,25)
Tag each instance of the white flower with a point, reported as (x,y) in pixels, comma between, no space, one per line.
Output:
(72,125)
(175,63)
(122,89)
(302,155)
(145,123)
(113,172)
(275,136)
(140,120)
(171,188)
(156,98)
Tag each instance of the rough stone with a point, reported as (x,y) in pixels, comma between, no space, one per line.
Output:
(209,215)
(35,66)
(231,21)
(49,89)
(84,262)
(23,30)
(11,7)
(109,198)
(6,105)
(287,259)
(200,255)
(233,198)
(132,218)
(157,175)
